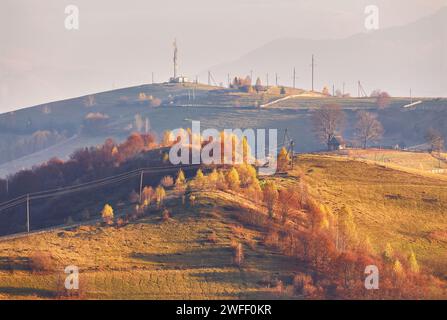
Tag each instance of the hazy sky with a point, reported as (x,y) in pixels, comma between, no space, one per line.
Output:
(120,43)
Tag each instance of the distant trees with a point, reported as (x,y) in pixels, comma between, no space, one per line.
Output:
(328,122)
(435,139)
(243,84)
(368,128)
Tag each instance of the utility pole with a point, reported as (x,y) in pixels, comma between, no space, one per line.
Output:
(276,79)
(141,186)
(343,92)
(333,90)
(152,78)
(313,67)
(267,78)
(294,77)
(27,213)
(228,79)
(411,101)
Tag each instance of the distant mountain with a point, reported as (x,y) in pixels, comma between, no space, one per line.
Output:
(393,59)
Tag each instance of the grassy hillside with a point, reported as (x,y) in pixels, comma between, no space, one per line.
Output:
(33,135)
(187,257)
(391,206)
(190,255)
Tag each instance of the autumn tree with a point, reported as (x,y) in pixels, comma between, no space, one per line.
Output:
(283,159)
(233,179)
(147,195)
(247,174)
(288,199)
(388,253)
(160,194)
(413,263)
(368,128)
(347,231)
(270,194)
(212,179)
(107,214)
(180,181)
(328,122)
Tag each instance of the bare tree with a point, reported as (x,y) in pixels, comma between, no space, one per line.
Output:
(435,139)
(368,128)
(328,122)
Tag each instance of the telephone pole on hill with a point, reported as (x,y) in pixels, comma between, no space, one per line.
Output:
(294,77)
(313,69)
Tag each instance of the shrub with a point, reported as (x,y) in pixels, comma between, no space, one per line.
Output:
(41,262)
(300,282)
(165,215)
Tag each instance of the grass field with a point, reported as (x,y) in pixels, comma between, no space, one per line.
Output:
(190,255)
(422,161)
(407,210)
(187,257)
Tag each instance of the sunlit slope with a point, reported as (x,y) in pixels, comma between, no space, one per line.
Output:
(187,257)
(407,210)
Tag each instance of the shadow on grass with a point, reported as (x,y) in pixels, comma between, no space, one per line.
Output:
(30,292)
(17,263)
(195,259)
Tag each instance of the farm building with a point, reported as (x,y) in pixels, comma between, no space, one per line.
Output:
(336,143)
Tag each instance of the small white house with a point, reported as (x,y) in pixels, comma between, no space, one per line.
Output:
(180,79)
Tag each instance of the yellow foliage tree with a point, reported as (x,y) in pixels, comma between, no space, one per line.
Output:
(412,261)
(283,159)
(180,181)
(247,174)
(213,178)
(160,194)
(233,179)
(107,214)
(397,268)
(388,253)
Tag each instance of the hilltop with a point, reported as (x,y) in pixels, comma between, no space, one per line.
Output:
(33,135)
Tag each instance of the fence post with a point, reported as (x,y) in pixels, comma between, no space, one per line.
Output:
(141,185)
(27,213)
